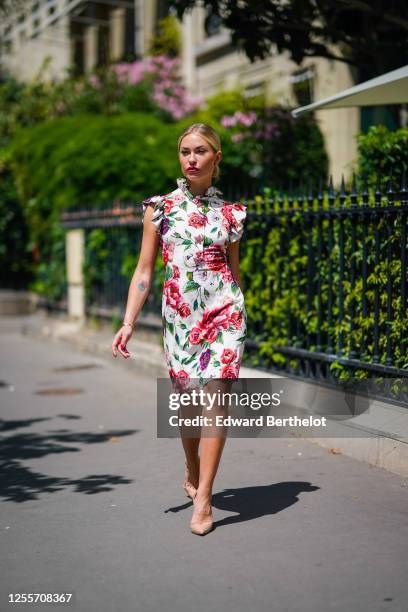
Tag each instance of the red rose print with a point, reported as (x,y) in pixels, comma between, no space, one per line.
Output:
(229,371)
(184,310)
(227,274)
(236,319)
(172,293)
(219,316)
(228,355)
(197,220)
(168,205)
(210,333)
(215,258)
(227,213)
(195,336)
(182,379)
(165,254)
(176,271)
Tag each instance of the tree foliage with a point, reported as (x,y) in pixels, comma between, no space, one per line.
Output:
(372,36)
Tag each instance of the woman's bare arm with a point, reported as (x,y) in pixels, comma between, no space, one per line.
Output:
(141,282)
(233,257)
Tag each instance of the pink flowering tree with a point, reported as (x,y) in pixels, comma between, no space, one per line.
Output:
(151,84)
(160,74)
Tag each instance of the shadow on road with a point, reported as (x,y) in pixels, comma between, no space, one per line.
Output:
(19,483)
(250,503)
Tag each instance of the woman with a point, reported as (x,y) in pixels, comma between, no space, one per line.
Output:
(204,317)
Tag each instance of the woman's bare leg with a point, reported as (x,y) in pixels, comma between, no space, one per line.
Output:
(211,447)
(191,446)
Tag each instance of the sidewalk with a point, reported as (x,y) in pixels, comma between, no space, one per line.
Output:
(384,427)
(93,504)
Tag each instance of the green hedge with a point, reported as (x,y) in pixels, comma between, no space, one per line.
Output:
(267,306)
(90,161)
(384,154)
(16,256)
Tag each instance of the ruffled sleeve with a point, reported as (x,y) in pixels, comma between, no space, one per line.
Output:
(238,215)
(158,212)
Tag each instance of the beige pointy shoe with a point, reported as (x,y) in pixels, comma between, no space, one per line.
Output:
(202,525)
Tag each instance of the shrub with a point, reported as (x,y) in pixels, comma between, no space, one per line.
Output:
(383,153)
(16,261)
(264,145)
(89,160)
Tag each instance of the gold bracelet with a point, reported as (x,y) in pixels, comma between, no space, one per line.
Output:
(128,323)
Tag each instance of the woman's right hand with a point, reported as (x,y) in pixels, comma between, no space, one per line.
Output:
(120,340)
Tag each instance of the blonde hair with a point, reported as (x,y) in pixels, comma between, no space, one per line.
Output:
(209,134)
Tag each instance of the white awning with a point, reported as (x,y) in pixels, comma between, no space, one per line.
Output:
(389,88)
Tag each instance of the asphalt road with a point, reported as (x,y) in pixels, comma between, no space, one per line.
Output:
(92,505)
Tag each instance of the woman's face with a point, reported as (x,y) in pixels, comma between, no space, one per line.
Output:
(197,158)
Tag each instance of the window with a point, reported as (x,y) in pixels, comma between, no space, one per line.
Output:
(302,86)
(35,7)
(212,23)
(51,10)
(36,23)
(21,18)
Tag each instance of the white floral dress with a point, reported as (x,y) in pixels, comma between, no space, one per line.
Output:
(203,309)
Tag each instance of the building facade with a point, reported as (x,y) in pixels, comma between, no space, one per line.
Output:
(211,64)
(80,35)
(74,34)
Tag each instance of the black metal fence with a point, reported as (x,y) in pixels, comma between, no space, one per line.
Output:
(324,273)
(337,263)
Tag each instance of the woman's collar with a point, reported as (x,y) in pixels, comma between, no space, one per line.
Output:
(211,192)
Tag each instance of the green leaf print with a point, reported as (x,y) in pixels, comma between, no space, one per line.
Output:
(234,287)
(188,360)
(191,286)
(219,336)
(202,305)
(220,286)
(195,305)
(190,275)
(207,241)
(177,339)
(216,363)
(187,242)
(206,293)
